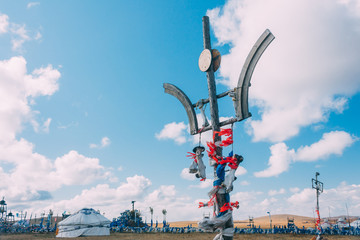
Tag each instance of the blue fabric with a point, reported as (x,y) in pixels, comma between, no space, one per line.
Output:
(220,172)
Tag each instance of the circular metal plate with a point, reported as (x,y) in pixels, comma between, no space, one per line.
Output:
(205,60)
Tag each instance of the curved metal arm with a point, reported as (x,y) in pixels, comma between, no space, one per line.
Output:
(241,92)
(181,96)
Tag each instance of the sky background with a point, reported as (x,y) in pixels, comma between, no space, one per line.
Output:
(85,122)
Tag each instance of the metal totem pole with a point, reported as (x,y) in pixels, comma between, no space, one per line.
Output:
(209,62)
(319,187)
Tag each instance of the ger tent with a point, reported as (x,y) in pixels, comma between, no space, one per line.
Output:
(85,222)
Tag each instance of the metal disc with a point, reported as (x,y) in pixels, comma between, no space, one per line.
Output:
(205,60)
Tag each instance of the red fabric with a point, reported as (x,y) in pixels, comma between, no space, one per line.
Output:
(227,142)
(212,152)
(229,206)
(225,132)
(231,162)
(192,156)
(235,204)
(318,220)
(208,204)
(222,132)
(225,207)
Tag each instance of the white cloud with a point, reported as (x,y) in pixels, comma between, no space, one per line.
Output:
(33,176)
(240,171)
(309,71)
(19,36)
(279,161)
(174,131)
(83,170)
(4,23)
(105,141)
(32,4)
(331,143)
(18,90)
(186,175)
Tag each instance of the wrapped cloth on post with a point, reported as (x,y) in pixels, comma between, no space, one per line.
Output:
(197,166)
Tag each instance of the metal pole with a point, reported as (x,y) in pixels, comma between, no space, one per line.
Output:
(317,192)
(270,220)
(214,113)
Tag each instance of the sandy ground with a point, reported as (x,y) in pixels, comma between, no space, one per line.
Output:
(162,236)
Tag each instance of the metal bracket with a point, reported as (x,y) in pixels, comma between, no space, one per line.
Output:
(242,90)
(181,96)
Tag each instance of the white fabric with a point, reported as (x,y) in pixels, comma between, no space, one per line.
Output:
(214,223)
(229,179)
(229,232)
(218,237)
(86,222)
(202,167)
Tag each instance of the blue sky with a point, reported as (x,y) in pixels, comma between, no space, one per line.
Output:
(85,121)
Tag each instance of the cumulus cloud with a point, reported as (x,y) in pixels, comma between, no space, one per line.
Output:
(18,90)
(33,176)
(83,170)
(174,131)
(240,171)
(331,143)
(279,161)
(4,23)
(105,141)
(310,70)
(186,175)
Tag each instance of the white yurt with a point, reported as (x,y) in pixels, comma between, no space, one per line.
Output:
(85,222)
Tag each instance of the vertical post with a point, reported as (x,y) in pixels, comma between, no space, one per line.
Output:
(317,191)
(214,113)
(270,220)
